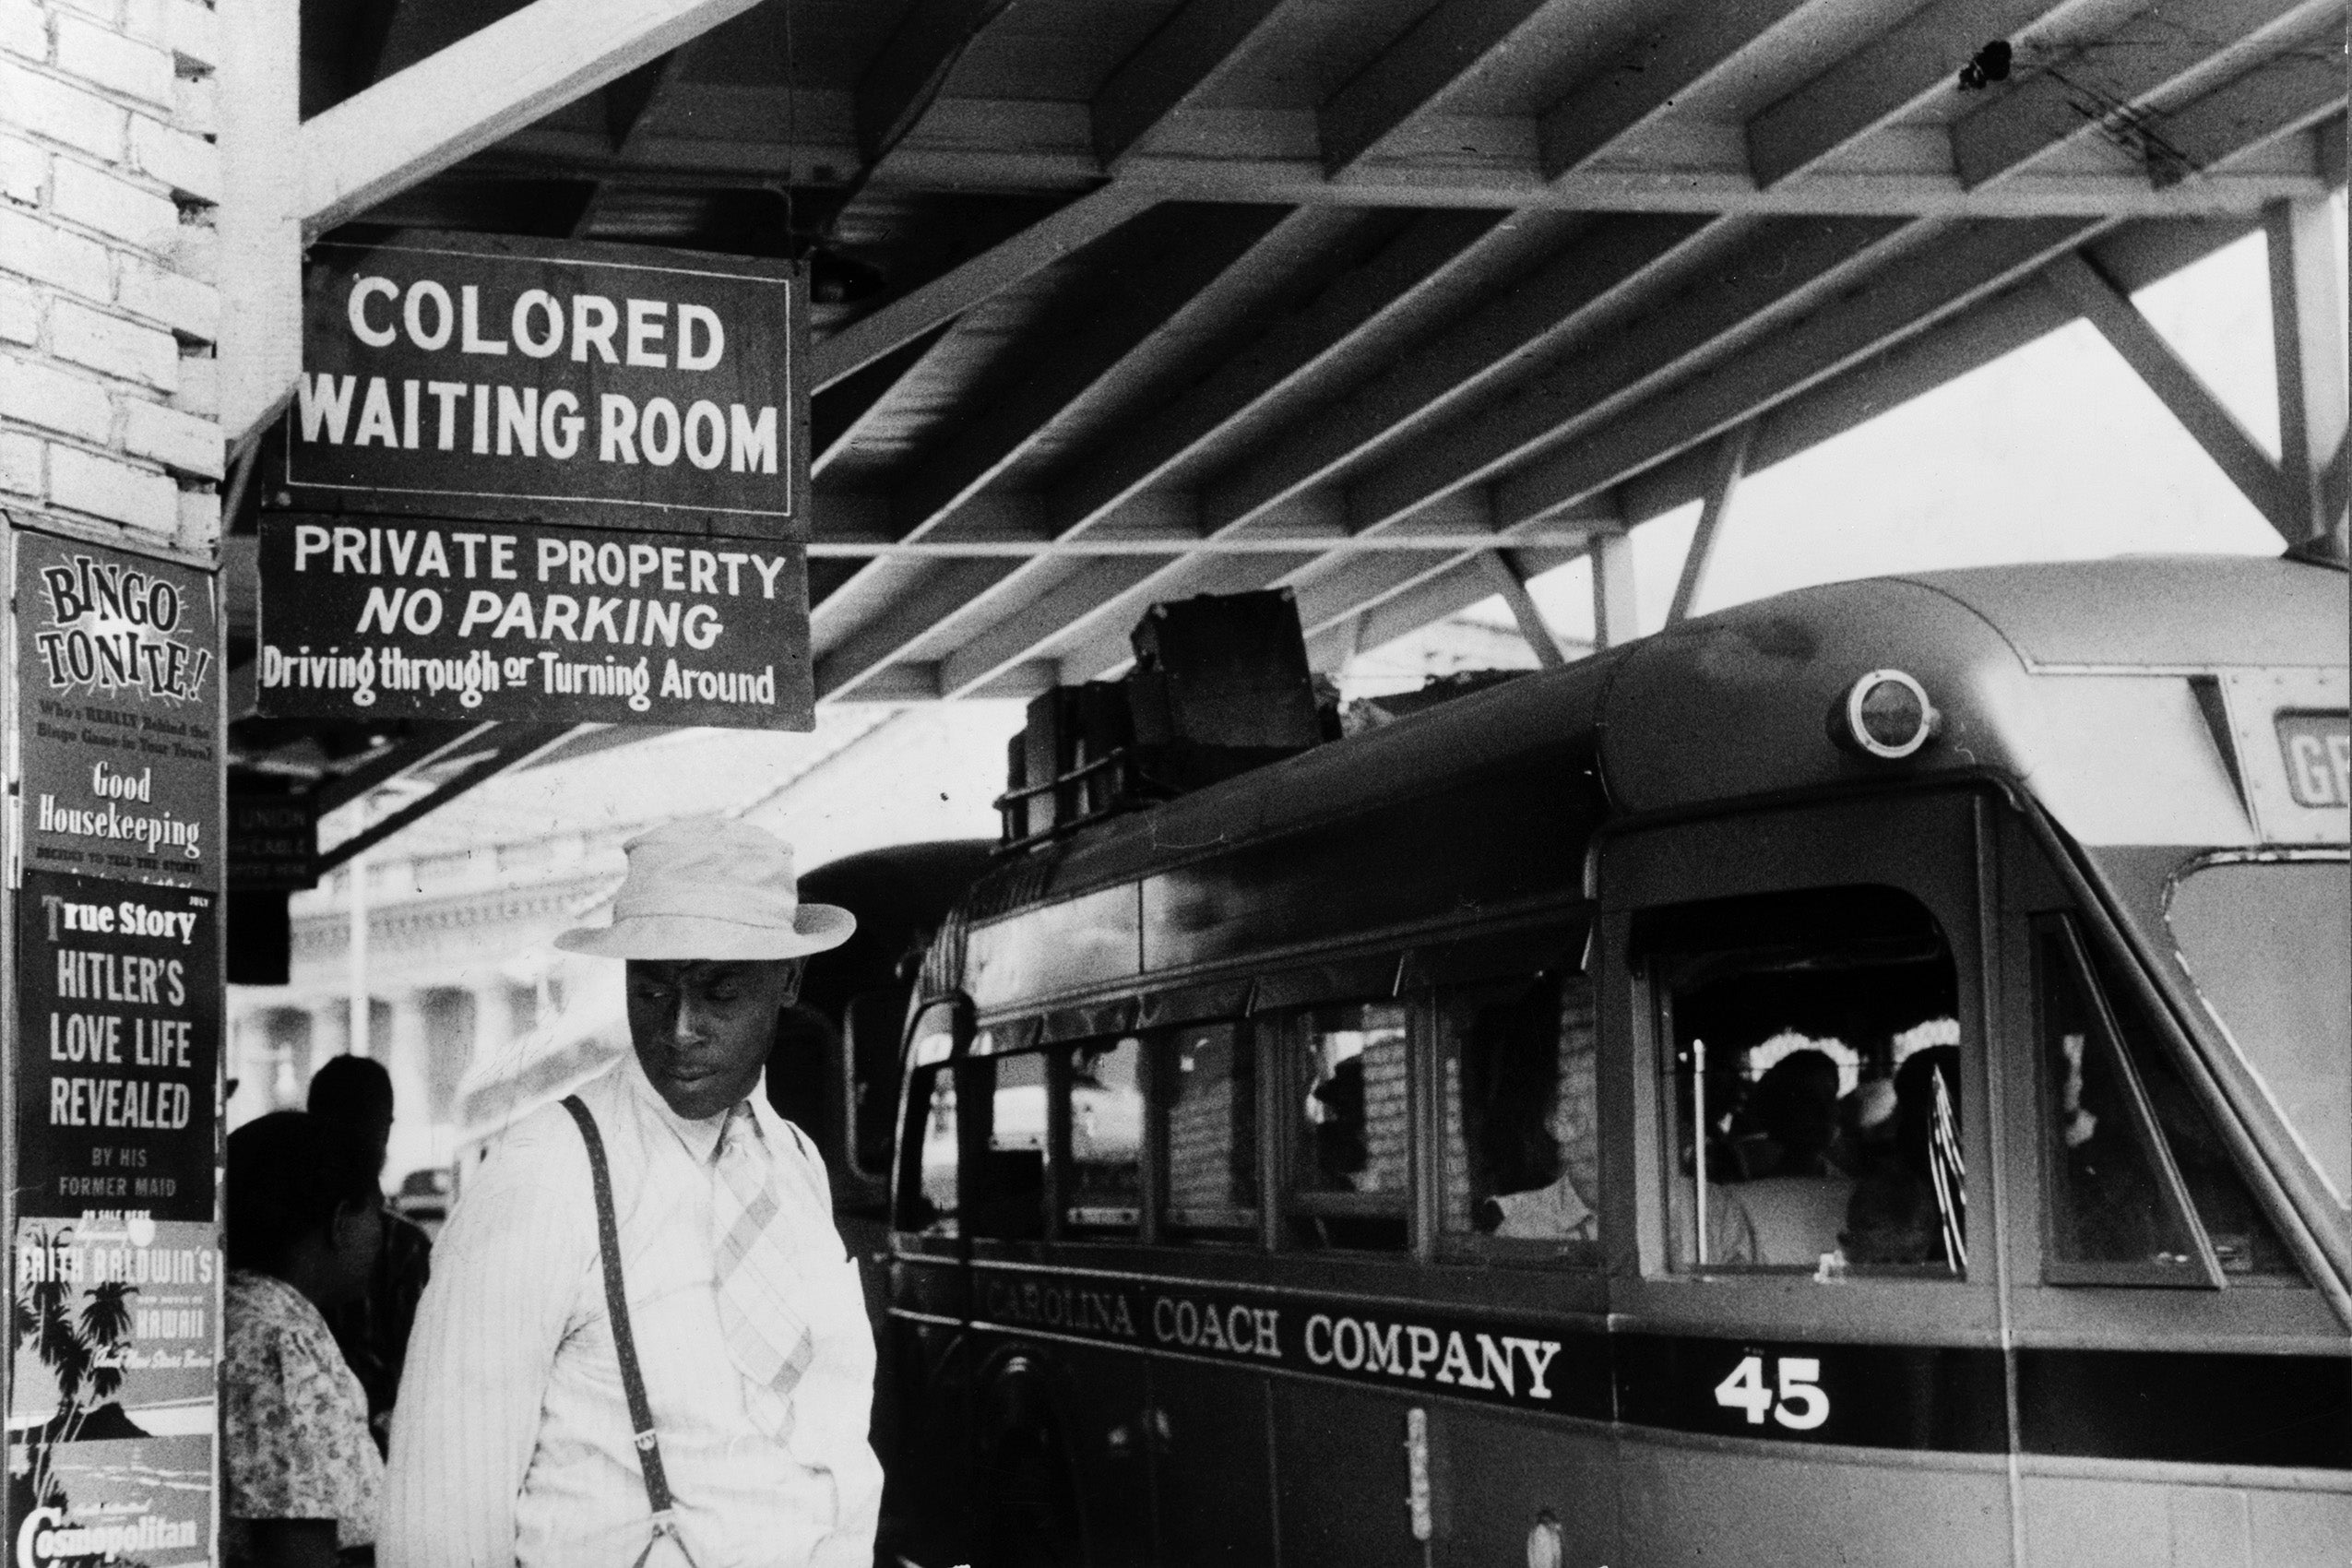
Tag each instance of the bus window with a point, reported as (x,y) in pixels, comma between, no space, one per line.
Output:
(1103,1193)
(1351,1128)
(927,1201)
(2263,939)
(1006,1200)
(2243,1243)
(2115,1211)
(1209,1087)
(1522,1151)
(1813,1084)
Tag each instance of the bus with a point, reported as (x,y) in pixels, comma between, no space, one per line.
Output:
(1861,1077)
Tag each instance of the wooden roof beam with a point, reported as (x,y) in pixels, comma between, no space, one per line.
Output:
(1388,294)
(1247,155)
(943,298)
(1147,300)
(2110,87)
(1730,466)
(2001,324)
(471,94)
(1178,66)
(906,77)
(1963,268)
(1452,366)
(1790,265)
(1508,577)
(1219,246)
(1684,49)
(2181,390)
(629,102)
(2294,91)
(1380,599)
(937,592)
(2307,331)
(1375,307)
(1914,62)
(1446,44)
(840,412)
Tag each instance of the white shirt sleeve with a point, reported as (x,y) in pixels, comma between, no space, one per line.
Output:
(506,1273)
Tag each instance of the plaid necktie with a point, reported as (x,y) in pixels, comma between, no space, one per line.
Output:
(756,1275)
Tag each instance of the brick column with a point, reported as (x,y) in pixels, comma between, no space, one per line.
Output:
(108,308)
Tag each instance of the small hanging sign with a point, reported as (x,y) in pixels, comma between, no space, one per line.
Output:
(473,375)
(425,618)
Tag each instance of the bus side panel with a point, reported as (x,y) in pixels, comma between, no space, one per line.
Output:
(926,1498)
(2079,1522)
(1342,1477)
(1062,1438)
(1498,1475)
(1211,1465)
(1689,1506)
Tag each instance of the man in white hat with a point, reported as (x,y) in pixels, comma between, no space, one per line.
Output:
(725,1424)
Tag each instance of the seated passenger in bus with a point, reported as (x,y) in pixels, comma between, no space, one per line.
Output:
(1797,1209)
(1526,1066)
(1341,1150)
(1914,1210)
(1552,1212)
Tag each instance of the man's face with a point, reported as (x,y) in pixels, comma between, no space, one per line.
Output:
(701,1028)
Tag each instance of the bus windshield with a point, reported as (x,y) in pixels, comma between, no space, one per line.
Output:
(2265,941)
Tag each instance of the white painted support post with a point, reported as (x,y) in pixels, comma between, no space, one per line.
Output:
(1730,466)
(1613,618)
(1508,581)
(259,217)
(472,94)
(2307,331)
(361,999)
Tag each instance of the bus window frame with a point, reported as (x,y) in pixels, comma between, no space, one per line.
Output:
(1060,1084)
(1654,965)
(2061,929)
(916,1059)
(1795,844)
(1474,1247)
(2039,875)
(1239,1226)
(973,1148)
(1279,1086)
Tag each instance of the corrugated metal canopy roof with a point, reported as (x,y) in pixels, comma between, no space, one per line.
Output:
(1121,301)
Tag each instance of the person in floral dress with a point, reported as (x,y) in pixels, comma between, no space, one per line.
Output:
(302,1475)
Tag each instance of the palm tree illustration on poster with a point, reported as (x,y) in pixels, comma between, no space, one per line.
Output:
(114,1337)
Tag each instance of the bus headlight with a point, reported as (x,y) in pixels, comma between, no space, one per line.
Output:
(1885,714)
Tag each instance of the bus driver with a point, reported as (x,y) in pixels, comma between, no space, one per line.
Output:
(641,1320)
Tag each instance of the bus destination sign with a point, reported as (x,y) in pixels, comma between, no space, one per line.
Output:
(468,376)
(428,618)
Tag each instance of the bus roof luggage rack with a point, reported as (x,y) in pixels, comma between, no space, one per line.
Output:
(1220,685)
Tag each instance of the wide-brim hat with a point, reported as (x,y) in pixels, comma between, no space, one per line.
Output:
(710,887)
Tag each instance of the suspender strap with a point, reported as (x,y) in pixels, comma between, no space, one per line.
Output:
(625,1339)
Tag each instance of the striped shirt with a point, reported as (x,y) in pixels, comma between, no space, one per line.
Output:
(510,1441)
